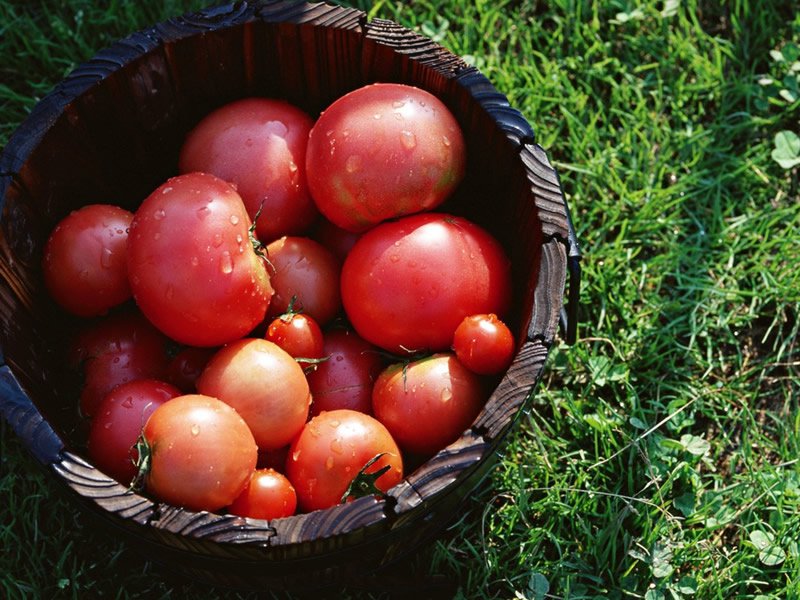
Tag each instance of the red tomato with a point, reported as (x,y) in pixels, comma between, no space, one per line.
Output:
(407,284)
(186,366)
(264,384)
(330,451)
(484,344)
(306,275)
(194,272)
(268,495)
(259,145)
(382,151)
(202,453)
(84,264)
(428,403)
(345,378)
(118,423)
(297,334)
(106,371)
(116,333)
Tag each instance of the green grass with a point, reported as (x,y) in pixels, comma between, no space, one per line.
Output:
(659,455)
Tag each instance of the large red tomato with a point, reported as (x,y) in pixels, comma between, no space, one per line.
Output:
(84,265)
(382,151)
(268,495)
(259,144)
(193,269)
(407,284)
(427,404)
(331,450)
(202,453)
(265,385)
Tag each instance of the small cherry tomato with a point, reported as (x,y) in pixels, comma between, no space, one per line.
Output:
(299,335)
(201,453)
(330,452)
(484,344)
(428,403)
(118,423)
(85,266)
(268,495)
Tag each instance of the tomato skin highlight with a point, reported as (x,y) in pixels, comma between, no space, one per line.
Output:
(484,344)
(265,385)
(268,495)
(382,151)
(407,284)
(202,453)
(193,271)
(116,427)
(428,403)
(330,451)
(84,265)
(258,144)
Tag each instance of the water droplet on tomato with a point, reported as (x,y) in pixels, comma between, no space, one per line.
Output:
(353,163)
(160,213)
(234,220)
(216,241)
(195,429)
(377,116)
(329,463)
(445,140)
(292,167)
(446,394)
(84,274)
(166,190)
(394,258)
(239,239)
(195,261)
(203,212)
(105,258)
(408,139)
(226,262)
(107,425)
(398,116)
(128,402)
(336,446)
(398,104)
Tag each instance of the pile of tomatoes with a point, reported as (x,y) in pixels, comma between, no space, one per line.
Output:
(287,321)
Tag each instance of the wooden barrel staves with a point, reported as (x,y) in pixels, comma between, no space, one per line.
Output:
(110,132)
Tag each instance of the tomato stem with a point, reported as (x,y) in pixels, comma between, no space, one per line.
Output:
(144,454)
(364,484)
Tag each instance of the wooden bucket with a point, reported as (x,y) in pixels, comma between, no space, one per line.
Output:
(110,132)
